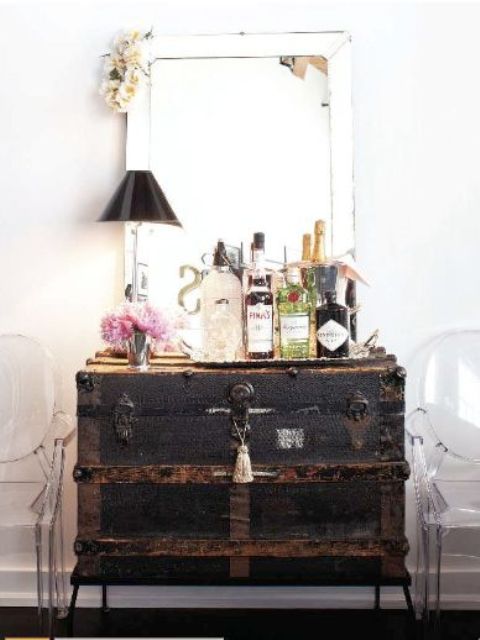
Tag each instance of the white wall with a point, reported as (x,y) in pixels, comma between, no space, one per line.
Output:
(417,136)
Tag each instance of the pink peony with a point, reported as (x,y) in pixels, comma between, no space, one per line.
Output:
(119,326)
(114,330)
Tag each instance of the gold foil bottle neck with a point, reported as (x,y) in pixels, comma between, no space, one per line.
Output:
(319,226)
(307,247)
(319,242)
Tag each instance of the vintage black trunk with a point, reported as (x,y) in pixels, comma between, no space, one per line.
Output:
(156,456)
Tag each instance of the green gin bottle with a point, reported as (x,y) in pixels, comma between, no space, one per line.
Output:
(293,308)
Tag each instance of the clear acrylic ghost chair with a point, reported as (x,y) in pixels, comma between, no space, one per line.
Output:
(444,436)
(32,428)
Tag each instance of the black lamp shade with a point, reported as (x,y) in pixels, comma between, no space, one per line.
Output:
(139,198)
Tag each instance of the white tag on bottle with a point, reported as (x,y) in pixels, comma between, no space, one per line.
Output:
(260,328)
(332,335)
(294,327)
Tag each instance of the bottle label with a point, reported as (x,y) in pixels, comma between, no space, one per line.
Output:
(332,335)
(260,328)
(294,328)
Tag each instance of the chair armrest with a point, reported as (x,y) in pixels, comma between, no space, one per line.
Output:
(54,486)
(412,436)
(63,427)
(48,502)
(411,422)
(427,503)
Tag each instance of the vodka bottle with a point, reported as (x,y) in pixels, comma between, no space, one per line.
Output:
(219,284)
(224,333)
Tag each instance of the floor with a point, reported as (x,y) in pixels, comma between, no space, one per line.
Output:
(240,624)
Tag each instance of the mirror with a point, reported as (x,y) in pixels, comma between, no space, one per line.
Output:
(244,133)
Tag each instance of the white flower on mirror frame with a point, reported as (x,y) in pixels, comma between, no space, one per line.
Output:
(125,69)
(109,88)
(134,35)
(132,77)
(134,56)
(121,100)
(125,38)
(126,92)
(113,63)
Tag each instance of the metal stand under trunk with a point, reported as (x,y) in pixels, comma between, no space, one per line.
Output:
(77,581)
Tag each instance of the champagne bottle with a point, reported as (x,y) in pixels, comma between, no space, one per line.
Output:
(307,248)
(318,254)
(311,270)
(324,272)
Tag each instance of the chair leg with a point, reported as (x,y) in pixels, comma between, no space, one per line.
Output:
(105,607)
(62,609)
(438,574)
(377,597)
(412,619)
(426,582)
(51,579)
(71,610)
(38,551)
(417,577)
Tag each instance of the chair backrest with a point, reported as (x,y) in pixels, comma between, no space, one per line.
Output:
(27,396)
(445,386)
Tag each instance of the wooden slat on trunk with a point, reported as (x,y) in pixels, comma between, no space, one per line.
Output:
(240,548)
(216,474)
(240,527)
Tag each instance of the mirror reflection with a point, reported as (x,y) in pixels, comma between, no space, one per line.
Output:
(240,145)
(237,143)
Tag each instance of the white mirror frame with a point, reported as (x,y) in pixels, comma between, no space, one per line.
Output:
(334,46)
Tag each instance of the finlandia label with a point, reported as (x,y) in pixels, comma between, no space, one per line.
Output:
(332,335)
(260,328)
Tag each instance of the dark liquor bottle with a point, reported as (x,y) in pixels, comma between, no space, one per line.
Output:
(259,307)
(257,250)
(332,328)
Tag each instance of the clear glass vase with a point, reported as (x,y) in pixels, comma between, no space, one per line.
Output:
(138,350)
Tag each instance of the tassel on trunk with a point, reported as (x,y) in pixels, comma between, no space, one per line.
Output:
(243,466)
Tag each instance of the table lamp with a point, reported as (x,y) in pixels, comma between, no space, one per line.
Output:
(138,199)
